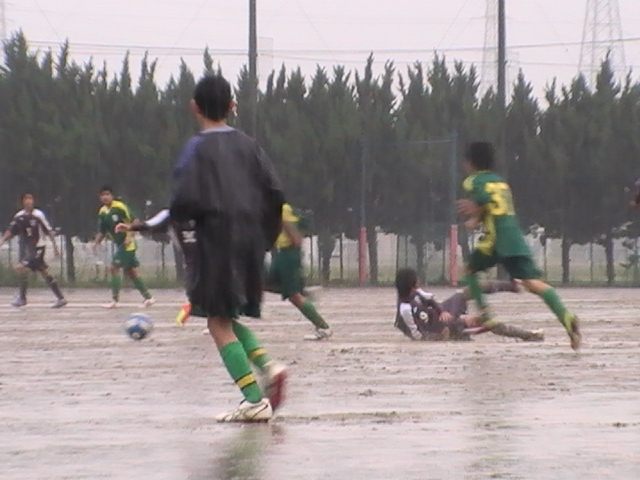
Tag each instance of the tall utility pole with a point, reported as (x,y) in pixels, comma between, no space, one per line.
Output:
(253,65)
(502,97)
(502,54)
(602,37)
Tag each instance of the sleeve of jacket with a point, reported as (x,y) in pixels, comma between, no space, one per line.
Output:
(188,200)
(157,224)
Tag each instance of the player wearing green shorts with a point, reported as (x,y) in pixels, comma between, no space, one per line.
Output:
(490,202)
(111,214)
(286,277)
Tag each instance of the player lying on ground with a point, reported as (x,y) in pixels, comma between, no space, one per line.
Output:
(184,236)
(226,185)
(30,225)
(420,317)
(111,214)
(285,274)
(490,202)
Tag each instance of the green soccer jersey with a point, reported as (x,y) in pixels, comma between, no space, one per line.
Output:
(109,217)
(502,233)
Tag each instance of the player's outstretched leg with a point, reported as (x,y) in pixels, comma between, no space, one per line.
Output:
(475,292)
(254,408)
(323,331)
(53,285)
(116,285)
(23,284)
(505,330)
(132,273)
(567,319)
(498,286)
(275,373)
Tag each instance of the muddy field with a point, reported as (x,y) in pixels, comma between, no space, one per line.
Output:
(80,400)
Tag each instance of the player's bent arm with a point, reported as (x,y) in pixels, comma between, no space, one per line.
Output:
(407,317)
(293,232)
(159,222)
(429,300)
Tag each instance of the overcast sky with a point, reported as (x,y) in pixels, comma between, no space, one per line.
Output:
(307,33)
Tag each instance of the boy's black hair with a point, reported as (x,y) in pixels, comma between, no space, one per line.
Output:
(481,155)
(106,188)
(406,280)
(213,97)
(25,195)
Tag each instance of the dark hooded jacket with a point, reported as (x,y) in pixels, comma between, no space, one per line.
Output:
(226,186)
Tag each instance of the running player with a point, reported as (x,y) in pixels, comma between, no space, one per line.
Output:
(111,214)
(184,236)
(491,203)
(31,226)
(226,185)
(286,277)
(420,317)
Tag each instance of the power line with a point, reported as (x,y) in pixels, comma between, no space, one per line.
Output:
(48,21)
(452,23)
(174,50)
(188,24)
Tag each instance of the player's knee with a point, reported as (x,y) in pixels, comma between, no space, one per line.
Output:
(297,299)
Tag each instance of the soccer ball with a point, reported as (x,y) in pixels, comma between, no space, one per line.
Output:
(138,326)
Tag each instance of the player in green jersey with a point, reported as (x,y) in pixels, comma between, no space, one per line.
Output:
(285,275)
(111,214)
(490,202)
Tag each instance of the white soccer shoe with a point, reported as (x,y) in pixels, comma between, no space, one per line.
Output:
(319,334)
(276,381)
(248,413)
(148,302)
(111,305)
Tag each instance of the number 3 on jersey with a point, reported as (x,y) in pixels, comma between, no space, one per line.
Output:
(501,199)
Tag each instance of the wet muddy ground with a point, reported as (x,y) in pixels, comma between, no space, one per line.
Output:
(80,400)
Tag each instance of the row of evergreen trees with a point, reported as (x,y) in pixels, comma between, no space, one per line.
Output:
(339,139)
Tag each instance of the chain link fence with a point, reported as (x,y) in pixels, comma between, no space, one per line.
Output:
(158,265)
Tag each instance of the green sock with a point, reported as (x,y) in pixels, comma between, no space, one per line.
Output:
(139,284)
(257,355)
(237,363)
(553,301)
(310,312)
(471,279)
(116,284)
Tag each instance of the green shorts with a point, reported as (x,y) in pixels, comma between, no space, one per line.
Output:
(125,259)
(285,274)
(521,267)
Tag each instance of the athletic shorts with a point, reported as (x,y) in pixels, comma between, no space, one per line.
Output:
(521,267)
(35,260)
(125,259)
(285,272)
